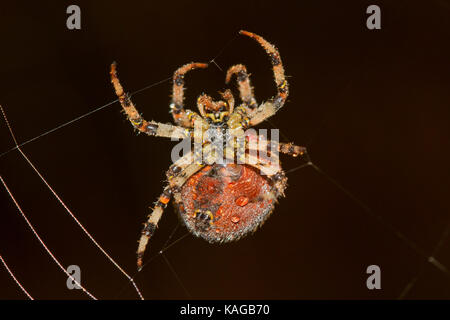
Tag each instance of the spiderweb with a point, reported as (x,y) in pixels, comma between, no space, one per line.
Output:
(342,212)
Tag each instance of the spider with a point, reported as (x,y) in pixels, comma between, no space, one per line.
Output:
(217,202)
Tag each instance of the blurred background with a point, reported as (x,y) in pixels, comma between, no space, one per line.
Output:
(372,106)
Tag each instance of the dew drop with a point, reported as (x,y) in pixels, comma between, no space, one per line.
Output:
(235,219)
(241,201)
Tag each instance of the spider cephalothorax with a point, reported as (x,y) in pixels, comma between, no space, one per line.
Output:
(216,200)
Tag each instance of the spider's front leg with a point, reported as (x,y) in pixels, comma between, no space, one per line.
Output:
(270,107)
(180,115)
(245,88)
(149,127)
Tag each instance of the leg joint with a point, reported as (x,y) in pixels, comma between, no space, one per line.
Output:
(149,229)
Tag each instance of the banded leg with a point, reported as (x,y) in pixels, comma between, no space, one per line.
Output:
(184,168)
(272,169)
(279,179)
(180,115)
(271,107)
(152,222)
(286,148)
(245,88)
(292,149)
(149,127)
(260,143)
(270,165)
(267,165)
(176,175)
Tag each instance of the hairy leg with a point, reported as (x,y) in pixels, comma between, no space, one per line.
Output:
(152,222)
(245,88)
(272,169)
(149,127)
(177,175)
(180,115)
(271,107)
(260,143)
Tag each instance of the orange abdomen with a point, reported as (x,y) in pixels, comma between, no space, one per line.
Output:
(222,203)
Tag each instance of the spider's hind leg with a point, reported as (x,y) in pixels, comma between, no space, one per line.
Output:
(152,222)
(177,175)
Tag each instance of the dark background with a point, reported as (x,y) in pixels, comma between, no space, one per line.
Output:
(373,107)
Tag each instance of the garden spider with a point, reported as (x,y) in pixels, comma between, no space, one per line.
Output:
(218,202)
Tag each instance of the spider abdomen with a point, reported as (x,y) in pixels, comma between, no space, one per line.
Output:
(222,203)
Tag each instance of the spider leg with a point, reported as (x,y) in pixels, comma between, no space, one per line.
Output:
(177,175)
(257,155)
(292,149)
(180,115)
(287,148)
(245,88)
(270,165)
(270,107)
(279,181)
(261,143)
(270,168)
(152,222)
(149,127)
